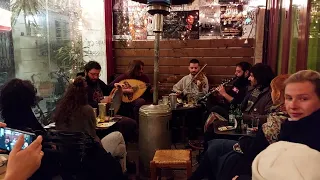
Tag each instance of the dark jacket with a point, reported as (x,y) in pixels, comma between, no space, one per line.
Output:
(239,162)
(76,156)
(96,91)
(23,119)
(305,131)
(239,90)
(263,103)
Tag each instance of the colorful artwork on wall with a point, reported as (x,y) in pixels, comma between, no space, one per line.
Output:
(181,25)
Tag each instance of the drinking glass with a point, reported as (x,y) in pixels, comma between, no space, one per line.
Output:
(255,123)
(165,100)
(160,102)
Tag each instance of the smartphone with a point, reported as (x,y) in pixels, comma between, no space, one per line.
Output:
(9,137)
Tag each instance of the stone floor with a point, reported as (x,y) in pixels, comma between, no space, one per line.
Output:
(133,154)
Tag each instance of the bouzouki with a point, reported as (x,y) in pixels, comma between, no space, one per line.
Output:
(138,87)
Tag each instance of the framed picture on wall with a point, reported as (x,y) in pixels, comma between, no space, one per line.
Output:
(181,25)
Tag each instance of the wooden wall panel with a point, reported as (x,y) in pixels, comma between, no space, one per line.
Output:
(192,52)
(220,55)
(195,43)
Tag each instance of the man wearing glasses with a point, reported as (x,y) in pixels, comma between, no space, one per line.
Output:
(97,89)
(98,92)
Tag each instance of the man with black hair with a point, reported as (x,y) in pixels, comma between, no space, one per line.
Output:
(97,89)
(238,91)
(198,87)
(98,92)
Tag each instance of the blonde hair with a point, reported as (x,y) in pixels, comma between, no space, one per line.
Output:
(306,76)
(278,86)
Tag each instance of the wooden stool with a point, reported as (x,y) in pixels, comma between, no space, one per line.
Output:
(172,159)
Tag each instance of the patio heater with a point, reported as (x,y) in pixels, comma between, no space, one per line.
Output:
(159,9)
(154,132)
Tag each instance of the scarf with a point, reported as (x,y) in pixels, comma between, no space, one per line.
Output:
(271,128)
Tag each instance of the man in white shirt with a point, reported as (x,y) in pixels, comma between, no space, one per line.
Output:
(197,87)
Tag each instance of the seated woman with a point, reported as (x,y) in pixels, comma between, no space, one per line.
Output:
(302,102)
(17,97)
(220,150)
(74,114)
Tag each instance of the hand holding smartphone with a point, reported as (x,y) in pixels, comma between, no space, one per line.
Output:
(9,137)
(23,163)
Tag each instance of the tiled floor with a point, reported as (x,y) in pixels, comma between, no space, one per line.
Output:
(133,154)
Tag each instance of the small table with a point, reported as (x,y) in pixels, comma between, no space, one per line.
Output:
(232,134)
(183,113)
(103,131)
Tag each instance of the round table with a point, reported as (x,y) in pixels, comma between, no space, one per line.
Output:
(103,131)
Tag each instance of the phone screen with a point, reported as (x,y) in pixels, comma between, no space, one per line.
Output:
(9,137)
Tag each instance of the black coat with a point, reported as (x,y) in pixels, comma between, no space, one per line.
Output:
(23,119)
(96,91)
(305,131)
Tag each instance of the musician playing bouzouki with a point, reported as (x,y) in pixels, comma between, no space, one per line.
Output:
(198,87)
(134,71)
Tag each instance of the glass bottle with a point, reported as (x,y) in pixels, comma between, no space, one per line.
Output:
(231,115)
(239,119)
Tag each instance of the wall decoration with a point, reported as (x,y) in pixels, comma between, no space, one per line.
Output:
(181,25)
(210,20)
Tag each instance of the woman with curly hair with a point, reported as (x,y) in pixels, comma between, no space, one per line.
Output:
(17,97)
(74,114)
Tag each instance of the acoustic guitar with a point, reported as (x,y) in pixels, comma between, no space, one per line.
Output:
(138,87)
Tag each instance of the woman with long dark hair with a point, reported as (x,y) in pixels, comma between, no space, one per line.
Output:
(134,71)
(74,114)
(17,97)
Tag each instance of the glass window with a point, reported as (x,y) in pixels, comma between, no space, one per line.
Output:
(314,34)
(49,43)
(295,20)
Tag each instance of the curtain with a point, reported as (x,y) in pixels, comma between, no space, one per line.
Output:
(108,26)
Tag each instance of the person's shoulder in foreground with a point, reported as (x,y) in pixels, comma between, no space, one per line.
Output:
(286,161)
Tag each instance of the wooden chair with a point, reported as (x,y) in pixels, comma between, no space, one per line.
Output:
(171,159)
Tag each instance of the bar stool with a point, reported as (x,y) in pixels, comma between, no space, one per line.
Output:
(171,159)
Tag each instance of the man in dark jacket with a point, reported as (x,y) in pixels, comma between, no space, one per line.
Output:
(239,89)
(235,94)
(302,101)
(98,92)
(258,97)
